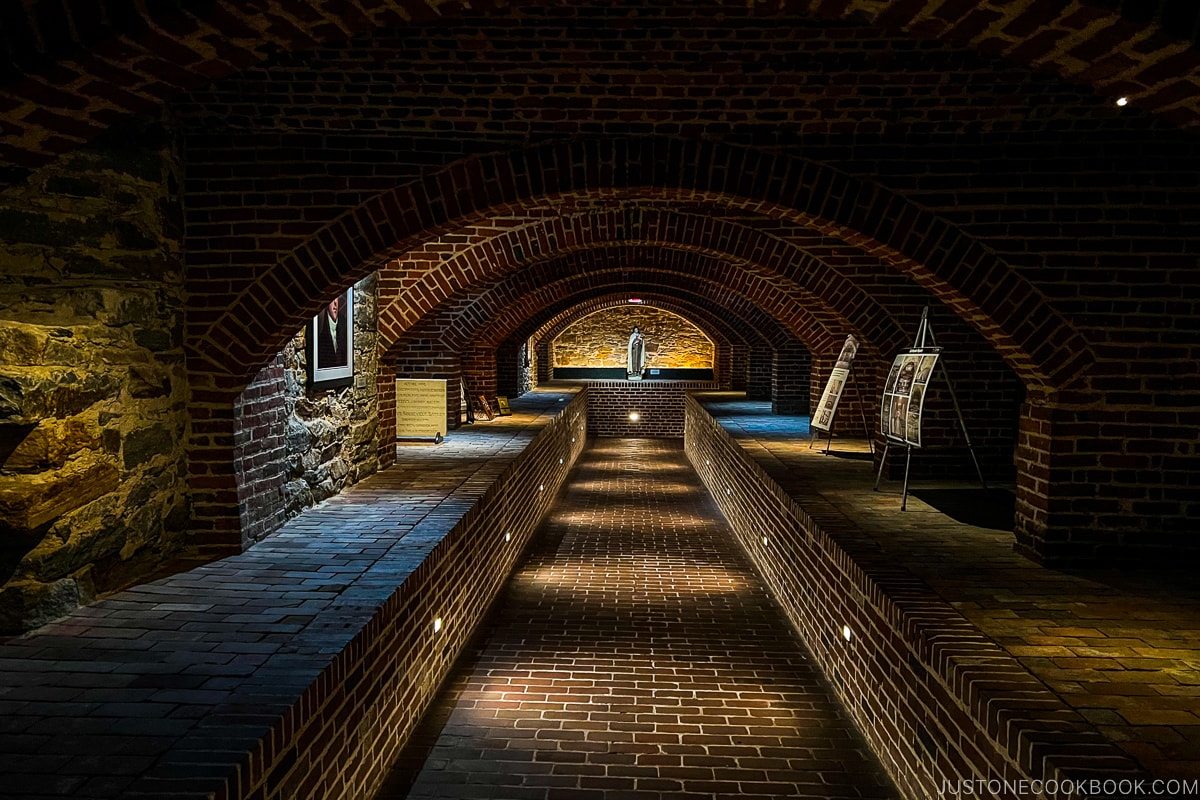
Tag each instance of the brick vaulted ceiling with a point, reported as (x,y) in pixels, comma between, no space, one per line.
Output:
(70,68)
(852,156)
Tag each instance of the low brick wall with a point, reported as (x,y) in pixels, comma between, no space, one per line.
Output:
(349,726)
(659,405)
(937,700)
(297,669)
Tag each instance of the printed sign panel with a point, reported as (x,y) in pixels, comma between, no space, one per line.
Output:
(420,408)
(823,418)
(904,396)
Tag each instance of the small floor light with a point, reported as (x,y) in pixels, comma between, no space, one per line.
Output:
(1122,101)
(846,632)
(634,416)
(437,625)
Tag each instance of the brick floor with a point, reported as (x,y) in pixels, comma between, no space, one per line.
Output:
(1123,648)
(637,655)
(162,690)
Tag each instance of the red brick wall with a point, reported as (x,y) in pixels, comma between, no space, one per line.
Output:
(934,697)
(790,378)
(259,450)
(659,405)
(835,178)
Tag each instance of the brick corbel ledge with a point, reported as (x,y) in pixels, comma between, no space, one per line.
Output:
(935,698)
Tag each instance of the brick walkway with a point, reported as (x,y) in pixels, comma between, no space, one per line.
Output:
(636,655)
(162,690)
(1122,648)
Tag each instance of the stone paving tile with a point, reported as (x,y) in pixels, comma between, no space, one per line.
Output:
(637,655)
(1121,648)
(204,662)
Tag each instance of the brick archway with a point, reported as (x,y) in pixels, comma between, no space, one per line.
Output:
(772,304)
(525,315)
(734,253)
(1037,342)
(724,336)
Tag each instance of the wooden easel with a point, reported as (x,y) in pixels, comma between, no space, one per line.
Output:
(925,339)
(465,399)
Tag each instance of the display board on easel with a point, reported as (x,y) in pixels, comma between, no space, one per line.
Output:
(839,379)
(903,402)
(904,395)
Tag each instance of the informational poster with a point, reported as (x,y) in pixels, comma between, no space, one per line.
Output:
(420,408)
(904,395)
(823,419)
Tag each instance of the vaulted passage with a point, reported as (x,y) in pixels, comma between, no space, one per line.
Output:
(268,269)
(636,654)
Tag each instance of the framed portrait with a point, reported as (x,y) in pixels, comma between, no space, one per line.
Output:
(331,344)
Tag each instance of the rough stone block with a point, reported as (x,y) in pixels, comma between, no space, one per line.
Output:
(30,394)
(50,444)
(27,502)
(142,445)
(29,604)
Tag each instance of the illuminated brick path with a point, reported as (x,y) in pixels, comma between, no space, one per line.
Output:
(636,655)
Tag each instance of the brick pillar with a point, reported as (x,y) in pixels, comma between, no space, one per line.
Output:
(739,367)
(216,523)
(723,364)
(386,397)
(259,452)
(479,367)
(758,373)
(508,369)
(790,373)
(1097,483)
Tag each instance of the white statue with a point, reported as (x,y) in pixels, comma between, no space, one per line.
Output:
(635,359)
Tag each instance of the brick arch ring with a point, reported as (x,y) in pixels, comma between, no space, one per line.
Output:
(725,337)
(489,335)
(693,301)
(764,304)
(1037,342)
(736,248)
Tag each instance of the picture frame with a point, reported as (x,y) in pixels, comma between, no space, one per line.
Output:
(331,344)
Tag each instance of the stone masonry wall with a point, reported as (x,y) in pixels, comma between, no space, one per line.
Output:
(93,390)
(299,445)
(601,340)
